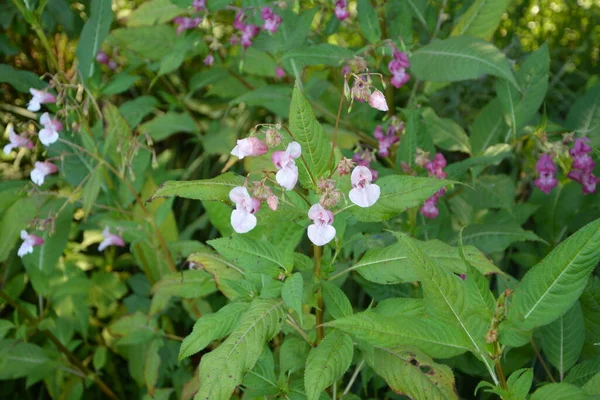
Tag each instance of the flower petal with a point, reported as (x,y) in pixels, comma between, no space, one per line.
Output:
(320,234)
(242,221)
(365,197)
(294,149)
(287,177)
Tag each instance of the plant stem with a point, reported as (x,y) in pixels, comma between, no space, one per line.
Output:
(353,378)
(500,373)
(72,358)
(290,321)
(320,305)
(335,130)
(544,365)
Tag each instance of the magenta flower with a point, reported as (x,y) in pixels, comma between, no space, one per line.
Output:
(341,10)
(248,33)
(39,97)
(110,239)
(364,193)
(199,5)
(251,146)
(583,165)
(29,241)
(272,20)
(435,167)
(398,67)
(102,58)
(585,178)
(279,72)
(287,174)
(429,209)
(238,22)
(385,140)
(185,23)
(320,232)
(545,169)
(243,219)
(41,170)
(16,141)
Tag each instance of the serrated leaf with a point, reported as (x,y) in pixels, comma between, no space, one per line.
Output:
(223,272)
(188,284)
(398,193)
(307,131)
(368,21)
(93,34)
(253,255)
(223,369)
(488,128)
(519,383)
(152,42)
(562,340)
(590,305)
(445,133)
(584,116)
(18,359)
(407,150)
(413,374)
(117,135)
(293,354)
(559,391)
(401,306)
(491,238)
(460,58)
(336,302)
(581,373)
(552,286)
(291,293)
(206,189)
(481,19)
(327,363)
(212,327)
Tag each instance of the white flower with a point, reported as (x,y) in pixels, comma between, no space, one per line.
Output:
(242,218)
(377,100)
(28,242)
(364,193)
(16,141)
(320,232)
(39,97)
(110,239)
(287,176)
(49,134)
(38,174)
(251,146)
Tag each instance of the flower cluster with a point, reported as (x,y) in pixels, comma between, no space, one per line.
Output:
(104,58)
(199,5)
(390,137)
(341,10)
(398,67)
(272,20)
(186,23)
(546,170)
(583,166)
(435,169)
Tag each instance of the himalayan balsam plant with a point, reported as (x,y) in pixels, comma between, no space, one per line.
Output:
(270,200)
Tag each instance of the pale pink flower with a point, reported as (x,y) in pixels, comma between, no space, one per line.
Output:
(320,232)
(273,202)
(49,134)
(39,97)
(364,193)
(287,176)
(41,170)
(16,141)
(209,60)
(429,208)
(251,146)
(110,239)
(242,218)
(29,241)
(377,101)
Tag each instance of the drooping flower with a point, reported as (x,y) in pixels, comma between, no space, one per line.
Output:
(586,178)
(272,20)
(16,141)
(435,167)
(364,193)
(248,33)
(49,134)
(242,218)
(320,232)
(41,170)
(583,166)
(251,146)
(341,10)
(287,174)
(279,72)
(377,101)
(545,169)
(110,239)
(199,5)
(185,23)
(29,241)
(39,97)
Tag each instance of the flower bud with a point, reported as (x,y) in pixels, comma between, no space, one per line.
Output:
(273,138)
(273,202)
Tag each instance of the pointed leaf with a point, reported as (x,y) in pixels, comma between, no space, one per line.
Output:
(492,238)
(368,21)
(445,133)
(581,373)
(336,302)
(481,19)
(206,189)
(590,305)
(559,391)
(291,293)
(584,116)
(93,34)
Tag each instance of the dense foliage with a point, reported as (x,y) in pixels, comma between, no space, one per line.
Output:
(371,199)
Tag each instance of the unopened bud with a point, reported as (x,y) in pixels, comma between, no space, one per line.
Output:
(345,166)
(491,336)
(273,138)
(273,202)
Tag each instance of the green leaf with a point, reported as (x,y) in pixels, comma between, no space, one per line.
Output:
(212,327)
(186,285)
(99,359)
(492,191)
(20,79)
(460,58)
(559,391)
(118,135)
(223,369)
(224,273)
(206,189)
(562,340)
(413,374)
(481,19)
(581,373)
(307,131)
(154,12)
(320,54)
(336,302)
(19,359)
(204,78)
(327,363)
(368,21)
(491,238)
(398,193)
(445,133)
(291,293)
(584,116)
(519,383)
(91,189)
(167,124)
(435,338)
(408,144)
(133,329)
(135,110)
(93,34)
(120,83)
(401,306)
(488,128)
(152,42)
(14,219)
(253,255)
(590,305)
(390,264)
(293,354)
(275,98)
(552,286)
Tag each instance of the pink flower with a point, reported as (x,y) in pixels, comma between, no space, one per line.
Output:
(199,5)
(346,70)
(287,174)
(364,193)
(579,154)
(546,169)
(399,79)
(39,97)
(273,202)
(29,241)
(279,72)
(320,232)
(385,141)
(16,141)
(242,218)
(586,179)
(435,167)
(238,22)
(185,23)
(102,58)
(364,158)
(209,60)
(272,20)
(251,146)
(341,10)
(110,239)
(377,101)
(429,208)
(41,170)
(398,67)
(248,33)
(49,134)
